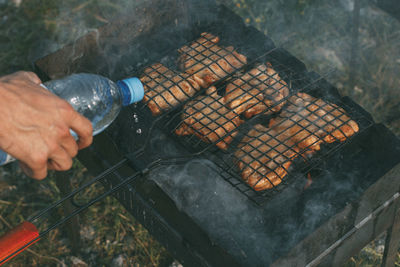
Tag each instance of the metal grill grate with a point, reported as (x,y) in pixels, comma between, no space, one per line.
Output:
(204,63)
(254,121)
(264,155)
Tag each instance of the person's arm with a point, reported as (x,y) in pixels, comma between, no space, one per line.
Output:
(35,125)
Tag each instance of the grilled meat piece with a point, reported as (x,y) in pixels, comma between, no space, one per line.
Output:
(259,90)
(209,119)
(165,89)
(264,156)
(310,121)
(208,60)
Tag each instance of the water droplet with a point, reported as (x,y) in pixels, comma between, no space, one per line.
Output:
(139,131)
(135,118)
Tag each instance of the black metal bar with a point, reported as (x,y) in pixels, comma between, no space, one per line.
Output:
(72,228)
(353,230)
(76,191)
(76,211)
(392,240)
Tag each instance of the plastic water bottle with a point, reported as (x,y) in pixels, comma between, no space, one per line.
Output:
(95,97)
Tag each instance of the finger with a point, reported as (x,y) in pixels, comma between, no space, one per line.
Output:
(36,172)
(59,160)
(83,128)
(28,75)
(70,145)
(32,77)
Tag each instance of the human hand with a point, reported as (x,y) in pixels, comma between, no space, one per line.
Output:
(35,126)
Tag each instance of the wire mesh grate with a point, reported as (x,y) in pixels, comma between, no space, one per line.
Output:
(265,154)
(203,62)
(252,119)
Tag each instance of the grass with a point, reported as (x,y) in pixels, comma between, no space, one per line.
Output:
(109,233)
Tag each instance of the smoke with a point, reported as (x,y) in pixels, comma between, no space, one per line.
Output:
(226,214)
(321,34)
(254,234)
(66,21)
(260,234)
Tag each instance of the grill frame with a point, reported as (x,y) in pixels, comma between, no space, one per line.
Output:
(170,119)
(183,237)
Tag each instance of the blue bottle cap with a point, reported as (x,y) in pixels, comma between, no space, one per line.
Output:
(5,158)
(132,90)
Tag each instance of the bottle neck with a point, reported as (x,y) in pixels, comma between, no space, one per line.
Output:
(132,90)
(125,93)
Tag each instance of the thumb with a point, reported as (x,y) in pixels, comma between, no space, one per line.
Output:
(28,75)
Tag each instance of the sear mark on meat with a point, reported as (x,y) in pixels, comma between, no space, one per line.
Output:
(209,119)
(264,156)
(257,91)
(310,121)
(209,61)
(165,89)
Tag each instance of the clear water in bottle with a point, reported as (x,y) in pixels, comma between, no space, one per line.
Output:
(95,97)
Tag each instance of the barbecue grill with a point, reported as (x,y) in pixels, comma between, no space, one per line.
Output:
(189,193)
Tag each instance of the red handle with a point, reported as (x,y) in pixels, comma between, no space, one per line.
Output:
(16,238)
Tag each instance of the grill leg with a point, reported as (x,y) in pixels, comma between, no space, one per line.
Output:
(72,227)
(392,241)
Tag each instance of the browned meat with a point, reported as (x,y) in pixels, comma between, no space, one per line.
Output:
(264,157)
(208,60)
(165,89)
(265,154)
(309,121)
(259,90)
(209,119)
